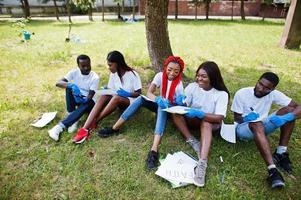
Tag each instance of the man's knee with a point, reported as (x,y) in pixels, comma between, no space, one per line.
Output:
(256,127)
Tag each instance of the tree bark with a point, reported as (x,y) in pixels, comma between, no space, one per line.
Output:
(207,8)
(103,10)
(196,11)
(157,32)
(134,2)
(291,37)
(242,9)
(69,10)
(263,11)
(122,6)
(90,12)
(176,9)
(232,9)
(56,10)
(25,8)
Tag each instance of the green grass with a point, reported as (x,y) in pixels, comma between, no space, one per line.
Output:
(34,167)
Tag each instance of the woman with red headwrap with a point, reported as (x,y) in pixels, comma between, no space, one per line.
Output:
(170,84)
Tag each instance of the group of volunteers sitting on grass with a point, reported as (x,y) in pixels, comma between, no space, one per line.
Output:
(206,99)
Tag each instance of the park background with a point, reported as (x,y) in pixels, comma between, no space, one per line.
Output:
(32,166)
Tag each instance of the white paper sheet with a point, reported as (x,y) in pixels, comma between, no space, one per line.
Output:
(106,92)
(177,109)
(228,132)
(45,119)
(177,169)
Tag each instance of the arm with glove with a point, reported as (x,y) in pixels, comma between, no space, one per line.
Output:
(79,98)
(180,100)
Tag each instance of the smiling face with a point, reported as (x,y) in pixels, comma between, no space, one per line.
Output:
(173,70)
(203,80)
(84,66)
(263,87)
(112,66)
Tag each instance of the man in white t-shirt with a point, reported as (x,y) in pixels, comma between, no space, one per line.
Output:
(80,84)
(251,108)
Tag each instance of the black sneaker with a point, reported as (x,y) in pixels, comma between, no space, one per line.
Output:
(283,161)
(107,132)
(152,160)
(275,178)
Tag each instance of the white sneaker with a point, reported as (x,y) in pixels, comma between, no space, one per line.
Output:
(200,173)
(54,133)
(73,127)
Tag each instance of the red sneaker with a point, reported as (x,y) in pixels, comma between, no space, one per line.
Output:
(81,136)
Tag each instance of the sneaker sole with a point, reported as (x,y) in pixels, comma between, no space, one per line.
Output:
(278,184)
(197,184)
(52,137)
(80,141)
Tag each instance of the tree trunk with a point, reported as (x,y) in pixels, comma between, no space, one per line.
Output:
(56,10)
(25,8)
(196,11)
(242,9)
(90,12)
(207,8)
(263,11)
(157,32)
(134,2)
(69,10)
(176,9)
(122,6)
(291,37)
(232,10)
(118,11)
(103,10)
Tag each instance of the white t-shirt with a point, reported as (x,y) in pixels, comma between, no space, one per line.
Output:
(158,82)
(130,82)
(244,100)
(212,101)
(85,83)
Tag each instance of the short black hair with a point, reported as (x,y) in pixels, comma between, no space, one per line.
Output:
(82,57)
(270,76)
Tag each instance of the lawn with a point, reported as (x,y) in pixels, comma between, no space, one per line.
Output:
(32,166)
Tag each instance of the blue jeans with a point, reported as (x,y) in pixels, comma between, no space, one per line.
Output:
(76,110)
(153,106)
(244,132)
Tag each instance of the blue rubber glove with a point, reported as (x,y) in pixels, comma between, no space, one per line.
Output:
(251,116)
(75,89)
(180,100)
(192,113)
(280,120)
(162,103)
(81,100)
(121,92)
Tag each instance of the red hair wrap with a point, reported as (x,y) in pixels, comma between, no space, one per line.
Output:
(175,82)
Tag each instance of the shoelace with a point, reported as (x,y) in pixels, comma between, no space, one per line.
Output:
(200,170)
(192,142)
